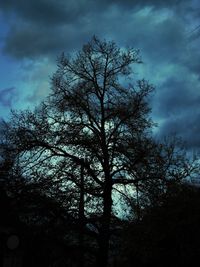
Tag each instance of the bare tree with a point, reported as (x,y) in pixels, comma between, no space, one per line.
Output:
(91,135)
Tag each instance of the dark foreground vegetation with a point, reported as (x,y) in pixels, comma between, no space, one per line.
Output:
(168,234)
(84,183)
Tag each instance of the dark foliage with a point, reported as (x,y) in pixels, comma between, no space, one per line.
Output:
(168,234)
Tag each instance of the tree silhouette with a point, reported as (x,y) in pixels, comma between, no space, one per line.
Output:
(91,137)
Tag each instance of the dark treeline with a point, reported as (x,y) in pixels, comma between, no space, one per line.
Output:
(84,183)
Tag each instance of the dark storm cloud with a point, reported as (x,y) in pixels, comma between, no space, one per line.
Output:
(178,107)
(45,28)
(29,41)
(177,97)
(41,27)
(52,11)
(186,125)
(7,96)
(46,12)
(195,34)
(142,3)
(50,26)
(156,35)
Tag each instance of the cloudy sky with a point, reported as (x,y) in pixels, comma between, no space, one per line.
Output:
(34,33)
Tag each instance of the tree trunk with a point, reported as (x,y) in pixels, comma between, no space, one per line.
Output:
(104,235)
(81,219)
